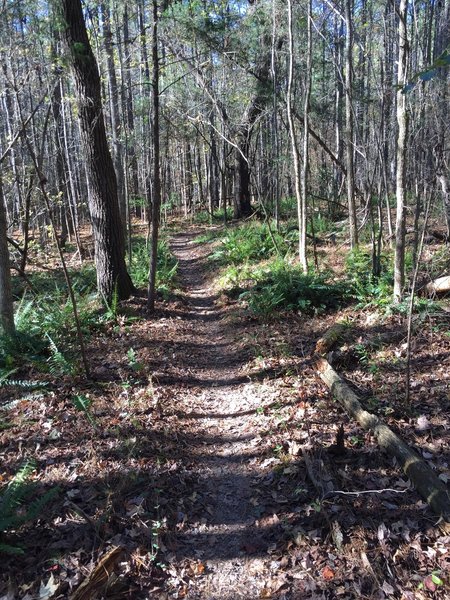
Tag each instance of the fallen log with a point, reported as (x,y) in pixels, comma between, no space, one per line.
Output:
(438,286)
(426,482)
(331,337)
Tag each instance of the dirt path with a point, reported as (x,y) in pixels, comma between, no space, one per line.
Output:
(225,539)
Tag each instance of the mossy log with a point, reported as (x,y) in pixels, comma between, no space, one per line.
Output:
(331,337)
(426,482)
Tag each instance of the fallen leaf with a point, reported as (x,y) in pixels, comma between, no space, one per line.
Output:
(387,588)
(429,584)
(48,589)
(327,573)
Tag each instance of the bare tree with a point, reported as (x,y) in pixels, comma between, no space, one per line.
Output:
(349,124)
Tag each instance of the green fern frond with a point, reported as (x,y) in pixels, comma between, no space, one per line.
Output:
(8,549)
(15,492)
(58,363)
(23,383)
(13,511)
(83,403)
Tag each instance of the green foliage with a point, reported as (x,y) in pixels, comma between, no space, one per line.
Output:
(83,403)
(46,334)
(282,286)
(166,270)
(204,217)
(288,207)
(133,361)
(367,288)
(430,72)
(14,512)
(112,306)
(320,224)
(251,242)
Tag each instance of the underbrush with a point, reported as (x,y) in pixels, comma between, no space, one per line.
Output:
(204,217)
(250,242)
(281,286)
(19,505)
(45,328)
(167,266)
(367,288)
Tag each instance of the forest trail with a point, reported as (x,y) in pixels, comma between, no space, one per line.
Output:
(227,541)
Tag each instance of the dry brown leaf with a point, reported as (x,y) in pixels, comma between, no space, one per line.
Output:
(327,573)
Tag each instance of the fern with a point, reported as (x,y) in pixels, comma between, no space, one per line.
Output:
(83,403)
(58,363)
(13,513)
(112,308)
(22,383)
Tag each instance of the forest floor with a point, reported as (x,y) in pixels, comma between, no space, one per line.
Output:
(207,468)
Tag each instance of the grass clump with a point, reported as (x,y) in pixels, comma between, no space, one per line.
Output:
(282,286)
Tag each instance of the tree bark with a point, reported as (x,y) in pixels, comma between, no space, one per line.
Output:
(402,121)
(114,109)
(112,275)
(156,204)
(295,151)
(6,300)
(349,124)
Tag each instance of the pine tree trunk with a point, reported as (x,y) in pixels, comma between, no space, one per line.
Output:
(106,222)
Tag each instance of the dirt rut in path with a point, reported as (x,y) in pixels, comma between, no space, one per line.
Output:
(225,539)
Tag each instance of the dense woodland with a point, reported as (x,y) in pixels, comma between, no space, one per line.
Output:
(224,278)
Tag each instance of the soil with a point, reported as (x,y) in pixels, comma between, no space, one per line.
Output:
(211,462)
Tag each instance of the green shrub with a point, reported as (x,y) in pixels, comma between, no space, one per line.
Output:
(282,286)
(320,224)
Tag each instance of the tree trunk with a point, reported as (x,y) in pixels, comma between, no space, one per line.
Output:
(402,121)
(6,300)
(305,163)
(242,205)
(114,109)
(103,198)
(295,152)
(426,482)
(349,125)
(156,204)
